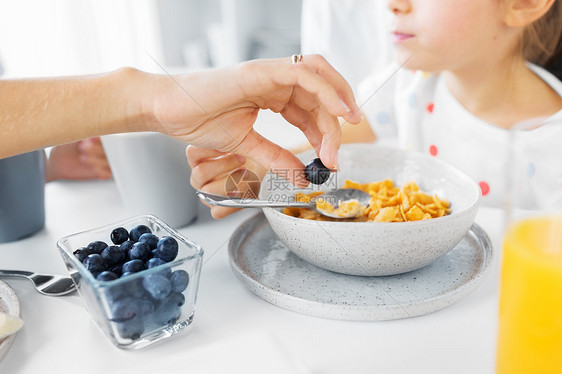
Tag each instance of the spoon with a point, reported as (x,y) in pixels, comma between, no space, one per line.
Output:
(333,197)
(50,285)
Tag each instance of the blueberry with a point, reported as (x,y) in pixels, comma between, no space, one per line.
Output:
(134,288)
(176,299)
(94,263)
(166,249)
(316,172)
(119,235)
(155,261)
(158,286)
(125,246)
(82,253)
(179,280)
(97,247)
(146,307)
(131,288)
(106,276)
(117,269)
(137,231)
(113,255)
(126,274)
(132,266)
(124,309)
(131,329)
(140,251)
(167,313)
(149,239)
(114,293)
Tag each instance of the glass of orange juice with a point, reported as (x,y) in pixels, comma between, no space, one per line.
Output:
(530,310)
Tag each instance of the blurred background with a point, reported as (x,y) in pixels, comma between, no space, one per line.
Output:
(68,37)
(56,37)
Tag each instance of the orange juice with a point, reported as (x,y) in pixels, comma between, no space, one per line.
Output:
(530,320)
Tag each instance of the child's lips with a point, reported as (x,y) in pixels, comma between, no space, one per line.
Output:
(400,37)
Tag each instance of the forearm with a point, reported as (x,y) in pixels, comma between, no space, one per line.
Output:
(37,113)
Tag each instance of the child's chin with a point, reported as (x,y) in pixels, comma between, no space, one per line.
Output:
(409,61)
(404,57)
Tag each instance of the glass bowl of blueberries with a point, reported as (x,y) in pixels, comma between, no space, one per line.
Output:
(138,279)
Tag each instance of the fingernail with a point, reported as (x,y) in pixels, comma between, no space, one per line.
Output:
(234,193)
(357,112)
(344,105)
(336,162)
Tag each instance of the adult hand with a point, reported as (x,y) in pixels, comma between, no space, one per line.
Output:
(226,174)
(213,109)
(216,109)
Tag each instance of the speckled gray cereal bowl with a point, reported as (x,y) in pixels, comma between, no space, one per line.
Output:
(377,248)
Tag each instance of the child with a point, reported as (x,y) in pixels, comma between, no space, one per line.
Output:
(467,75)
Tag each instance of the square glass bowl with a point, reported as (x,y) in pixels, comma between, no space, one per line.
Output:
(123,308)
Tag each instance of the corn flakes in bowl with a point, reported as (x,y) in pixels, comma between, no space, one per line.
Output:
(400,239)
(388,203)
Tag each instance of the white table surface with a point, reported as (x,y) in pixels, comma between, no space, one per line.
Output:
(60,337)
(234,331)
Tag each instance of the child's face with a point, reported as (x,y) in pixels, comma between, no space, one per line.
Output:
(448,35)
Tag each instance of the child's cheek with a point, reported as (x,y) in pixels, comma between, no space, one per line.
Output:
(450,31)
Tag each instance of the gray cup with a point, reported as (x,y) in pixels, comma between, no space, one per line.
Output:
(22,195)
(152,175)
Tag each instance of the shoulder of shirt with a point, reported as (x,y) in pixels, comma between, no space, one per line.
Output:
(549,78)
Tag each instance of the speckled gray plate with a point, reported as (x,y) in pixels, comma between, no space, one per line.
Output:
(265,265)
(9,304)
